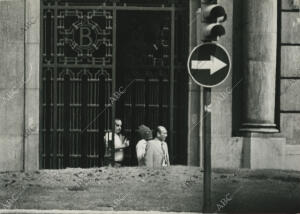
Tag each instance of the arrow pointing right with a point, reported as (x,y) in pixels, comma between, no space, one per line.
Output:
(214,64)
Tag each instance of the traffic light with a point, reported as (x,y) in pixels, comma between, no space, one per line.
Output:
(212,14)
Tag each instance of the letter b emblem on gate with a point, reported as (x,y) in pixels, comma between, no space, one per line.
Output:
(85,36)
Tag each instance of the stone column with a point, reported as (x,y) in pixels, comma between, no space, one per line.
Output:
(11,85)
(259,30)
(32,84)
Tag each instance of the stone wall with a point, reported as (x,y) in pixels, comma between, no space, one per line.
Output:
(11,84)
(19,84)
(290,71)
(231,148)
(226,149)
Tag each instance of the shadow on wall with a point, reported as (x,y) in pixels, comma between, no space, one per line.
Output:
(237,73)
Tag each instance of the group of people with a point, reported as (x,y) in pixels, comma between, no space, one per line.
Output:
(150,152)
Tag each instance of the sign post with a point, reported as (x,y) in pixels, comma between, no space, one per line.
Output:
(208,65)
(207,150)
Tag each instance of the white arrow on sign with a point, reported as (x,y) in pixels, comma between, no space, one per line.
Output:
(214,64)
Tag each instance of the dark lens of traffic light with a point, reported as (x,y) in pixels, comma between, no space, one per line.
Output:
(218,30)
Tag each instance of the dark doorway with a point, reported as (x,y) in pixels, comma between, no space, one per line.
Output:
(89,54)
(144,52)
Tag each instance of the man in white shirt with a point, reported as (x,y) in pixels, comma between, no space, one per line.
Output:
(120,141)
(145,135)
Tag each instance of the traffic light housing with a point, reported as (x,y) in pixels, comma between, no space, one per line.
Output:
(212,14)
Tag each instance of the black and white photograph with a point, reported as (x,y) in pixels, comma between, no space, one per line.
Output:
(149,106)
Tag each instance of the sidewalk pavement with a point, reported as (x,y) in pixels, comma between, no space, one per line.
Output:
(171,189)
(20,211)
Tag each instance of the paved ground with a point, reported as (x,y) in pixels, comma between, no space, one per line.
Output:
(176,189)
(19,211)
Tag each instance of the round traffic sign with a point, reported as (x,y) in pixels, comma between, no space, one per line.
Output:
(209,64)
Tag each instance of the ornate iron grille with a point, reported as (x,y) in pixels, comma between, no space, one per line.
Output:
(88,53)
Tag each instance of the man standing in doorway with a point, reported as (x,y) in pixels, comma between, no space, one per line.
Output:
(157,154)
(145,135)
(120,142)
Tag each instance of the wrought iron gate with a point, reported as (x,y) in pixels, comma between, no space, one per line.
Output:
(91,50)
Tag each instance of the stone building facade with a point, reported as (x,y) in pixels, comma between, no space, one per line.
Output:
(255,112)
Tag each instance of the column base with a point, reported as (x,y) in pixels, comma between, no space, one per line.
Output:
(263,153)
(259,127)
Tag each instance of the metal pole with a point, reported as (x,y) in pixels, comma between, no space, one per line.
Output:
(113,107)
(207,134)
(207,151)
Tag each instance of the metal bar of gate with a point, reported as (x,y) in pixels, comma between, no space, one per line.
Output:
(54,139)
(147,100)
(101,98)
(42,87)
(84,124)
(66,142)
(48,119)
(171,115)
(114,82)
(75,66)
(134,8)
(161,99)
(133,115)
